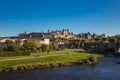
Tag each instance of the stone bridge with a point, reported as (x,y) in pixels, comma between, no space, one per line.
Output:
(107,48)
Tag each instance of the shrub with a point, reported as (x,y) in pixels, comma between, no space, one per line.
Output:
(13,68)
(11,47)
(6,69)
(30,45)
(25,53)
(45,48)
(93,59)
(15,53)
(30,66)
(20,67)
(54,65)
(88,62)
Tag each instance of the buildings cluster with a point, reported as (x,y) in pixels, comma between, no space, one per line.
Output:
(65,33)
(89,35)
(62,38)
(45,37)
(38,42)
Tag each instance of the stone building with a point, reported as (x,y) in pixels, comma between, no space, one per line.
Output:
(89,35)
(46,41)
(84,35)
(31,35)
(3,40)
(50,34)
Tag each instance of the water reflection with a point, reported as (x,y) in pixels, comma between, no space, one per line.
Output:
(106,69)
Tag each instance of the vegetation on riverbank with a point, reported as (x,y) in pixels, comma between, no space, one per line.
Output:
(47,59)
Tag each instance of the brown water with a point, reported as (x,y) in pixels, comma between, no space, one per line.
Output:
(105,69)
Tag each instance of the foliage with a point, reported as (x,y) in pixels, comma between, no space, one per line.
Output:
(113,40)
(11,47)
(8,42)
(104,39)
(30,45)
(15,53)
(91,60)
(54,46)
(18,42)
(45,48)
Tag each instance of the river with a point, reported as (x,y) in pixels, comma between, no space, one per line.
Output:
(105,69)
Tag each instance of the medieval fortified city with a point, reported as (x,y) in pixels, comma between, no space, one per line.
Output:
(53,49)
(59,39)
(66,39)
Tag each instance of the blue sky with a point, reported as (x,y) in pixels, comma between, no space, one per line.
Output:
(99,16)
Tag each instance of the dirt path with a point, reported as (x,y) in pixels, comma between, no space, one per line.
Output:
(16,59)
(27,58)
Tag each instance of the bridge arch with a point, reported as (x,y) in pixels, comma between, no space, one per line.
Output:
(110,49)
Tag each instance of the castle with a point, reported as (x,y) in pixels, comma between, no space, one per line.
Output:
(65,33)
(89,35)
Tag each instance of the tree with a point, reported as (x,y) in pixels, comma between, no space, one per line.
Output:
(89,33)
(11,47)
(18,42)
(113,40)
(55,46)
(45,48)
(118,37)
(104,39)
(30,45)
(8,42)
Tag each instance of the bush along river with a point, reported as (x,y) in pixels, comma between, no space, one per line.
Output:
(106,69)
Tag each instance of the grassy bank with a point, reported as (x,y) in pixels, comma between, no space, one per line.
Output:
(43,60)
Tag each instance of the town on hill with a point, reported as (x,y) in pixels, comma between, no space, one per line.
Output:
(65,33)
(58,48)
(60,39)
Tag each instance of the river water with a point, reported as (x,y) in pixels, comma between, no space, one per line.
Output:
(105,69)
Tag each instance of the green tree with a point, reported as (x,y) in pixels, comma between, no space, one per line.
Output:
(104,39)
(11,47)
(8,42)
(89,33)
(55,46)
(113,40)
(45,48)
(117,37)
(18,42)
(30,45)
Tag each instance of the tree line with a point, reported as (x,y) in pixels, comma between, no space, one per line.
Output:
(29,46)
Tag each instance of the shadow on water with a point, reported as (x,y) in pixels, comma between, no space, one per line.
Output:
(110,52)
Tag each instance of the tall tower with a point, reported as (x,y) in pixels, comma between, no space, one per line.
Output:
(49,31)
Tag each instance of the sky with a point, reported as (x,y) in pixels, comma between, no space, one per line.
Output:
(98,16)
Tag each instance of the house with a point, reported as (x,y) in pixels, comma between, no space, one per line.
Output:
(3,40)
(46,41)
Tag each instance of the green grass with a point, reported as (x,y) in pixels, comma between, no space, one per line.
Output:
(66,51)
(67,55)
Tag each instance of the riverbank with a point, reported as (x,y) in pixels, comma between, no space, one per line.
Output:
(105,69)
(66,57)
